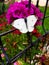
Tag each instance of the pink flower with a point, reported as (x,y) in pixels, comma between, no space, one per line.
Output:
(2,55)
(5,49)
(16,63)
(20,10)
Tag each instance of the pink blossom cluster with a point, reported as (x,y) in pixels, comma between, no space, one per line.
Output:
(21,10)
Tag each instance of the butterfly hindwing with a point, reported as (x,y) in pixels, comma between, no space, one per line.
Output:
(20,25)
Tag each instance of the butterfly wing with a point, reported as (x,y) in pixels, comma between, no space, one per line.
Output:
(31,20)
(20,25)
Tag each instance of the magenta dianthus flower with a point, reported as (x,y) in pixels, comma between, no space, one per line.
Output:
(21,10)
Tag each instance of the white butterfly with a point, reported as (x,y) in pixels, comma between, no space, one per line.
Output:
(21,25)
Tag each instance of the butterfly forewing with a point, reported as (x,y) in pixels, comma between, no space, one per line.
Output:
(31,21)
